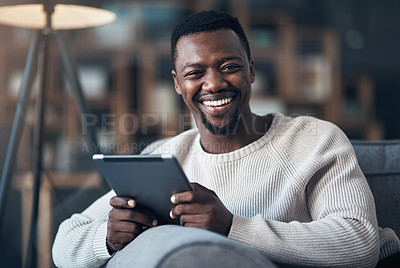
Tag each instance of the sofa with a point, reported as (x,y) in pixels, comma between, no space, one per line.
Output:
(380,162)
(173,246)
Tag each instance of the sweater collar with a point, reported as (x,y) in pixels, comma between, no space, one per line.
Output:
(242,152)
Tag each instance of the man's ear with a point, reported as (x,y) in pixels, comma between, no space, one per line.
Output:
(252,71)
(176,84)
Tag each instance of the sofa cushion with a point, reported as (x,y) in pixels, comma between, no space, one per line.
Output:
(380,162)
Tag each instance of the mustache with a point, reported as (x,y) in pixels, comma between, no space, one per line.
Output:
(219,95)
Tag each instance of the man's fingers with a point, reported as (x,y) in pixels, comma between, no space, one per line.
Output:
(140,217)
(191,197)
(122,202)
(125,226)
(197,219)
(190,209)
(131,215)
(187,209)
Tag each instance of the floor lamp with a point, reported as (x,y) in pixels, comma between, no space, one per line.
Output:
(48,17)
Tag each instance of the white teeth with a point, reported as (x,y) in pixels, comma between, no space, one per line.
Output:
(217,102)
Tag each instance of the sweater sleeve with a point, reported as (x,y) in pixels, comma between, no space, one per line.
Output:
(343,229)
(81,239)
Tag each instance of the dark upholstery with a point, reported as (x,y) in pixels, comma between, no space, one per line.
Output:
(380,162)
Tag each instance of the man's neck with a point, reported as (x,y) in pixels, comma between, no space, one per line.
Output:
(249,129)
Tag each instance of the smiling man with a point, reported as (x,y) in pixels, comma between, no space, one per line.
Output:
(290,188)
(213,73)
(214,83)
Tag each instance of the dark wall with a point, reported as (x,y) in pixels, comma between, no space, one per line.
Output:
(377,54)
(379,25)
(368,31)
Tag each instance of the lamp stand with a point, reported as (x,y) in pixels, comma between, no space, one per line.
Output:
(40,45)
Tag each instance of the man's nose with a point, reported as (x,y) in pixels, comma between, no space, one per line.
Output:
(214,81)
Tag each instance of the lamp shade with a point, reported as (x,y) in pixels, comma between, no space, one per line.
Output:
(67,14)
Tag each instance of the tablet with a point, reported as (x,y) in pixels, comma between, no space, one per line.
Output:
(149,179)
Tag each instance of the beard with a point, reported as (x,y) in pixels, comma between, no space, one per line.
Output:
(225,130)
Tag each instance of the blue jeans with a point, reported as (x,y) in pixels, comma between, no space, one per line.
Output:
(175,246)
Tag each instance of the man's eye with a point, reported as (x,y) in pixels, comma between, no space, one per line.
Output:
(193,74)
(231,67)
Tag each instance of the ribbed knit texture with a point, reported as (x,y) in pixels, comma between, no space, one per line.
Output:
(297,195)
(81,240)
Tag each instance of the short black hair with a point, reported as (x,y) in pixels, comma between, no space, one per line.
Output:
(207,21)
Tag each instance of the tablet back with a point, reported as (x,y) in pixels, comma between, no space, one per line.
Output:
(149,179)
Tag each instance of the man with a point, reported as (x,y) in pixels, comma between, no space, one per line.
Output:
(289,187)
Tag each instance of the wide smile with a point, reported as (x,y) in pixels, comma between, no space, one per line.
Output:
(219,105)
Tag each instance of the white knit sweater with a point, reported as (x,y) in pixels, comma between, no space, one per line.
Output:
(297,195)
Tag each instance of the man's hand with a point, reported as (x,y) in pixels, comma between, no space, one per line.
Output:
(202,209)
(125,223)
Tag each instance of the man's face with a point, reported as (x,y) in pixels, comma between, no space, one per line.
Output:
(214,76)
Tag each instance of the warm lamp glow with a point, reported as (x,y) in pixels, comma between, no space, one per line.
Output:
(64,16)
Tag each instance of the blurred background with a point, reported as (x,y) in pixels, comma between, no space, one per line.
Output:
(337,60)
